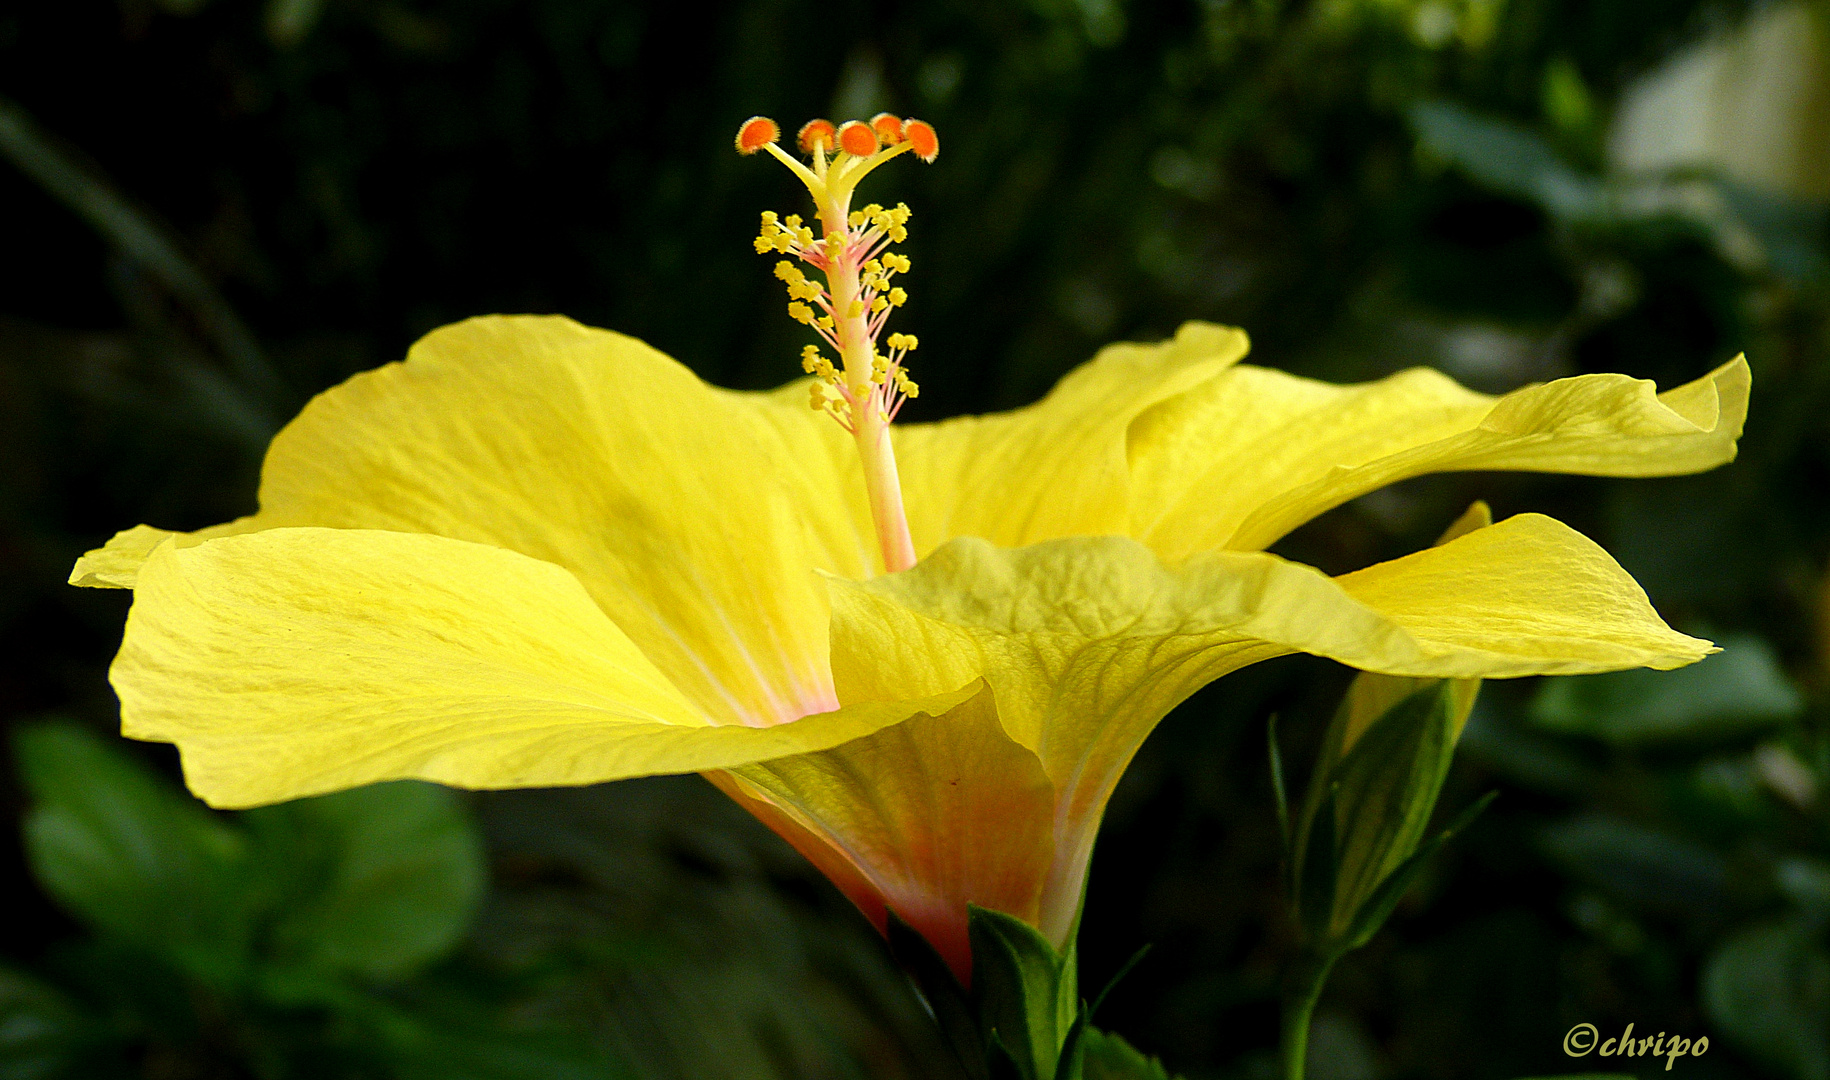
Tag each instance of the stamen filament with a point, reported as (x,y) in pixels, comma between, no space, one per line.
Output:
(866,390)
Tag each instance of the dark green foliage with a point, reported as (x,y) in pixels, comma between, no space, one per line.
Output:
(1738,691)
(277,927)
(345,174)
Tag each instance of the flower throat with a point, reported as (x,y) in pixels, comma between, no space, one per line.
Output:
(849,308)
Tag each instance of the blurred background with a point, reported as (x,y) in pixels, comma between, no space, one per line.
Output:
(212,209)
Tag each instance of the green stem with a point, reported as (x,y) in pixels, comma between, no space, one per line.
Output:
(1304,988)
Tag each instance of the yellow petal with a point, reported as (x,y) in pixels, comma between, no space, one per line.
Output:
(1244,458)
(1528,596)
(1088,642)
(667,498)
(825,476)
(1056,468)
(116,564)
(291,662)
(1372,695)
(927,816)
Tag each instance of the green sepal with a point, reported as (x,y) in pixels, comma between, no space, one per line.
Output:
(1003,1063)
(941,992)
(1106,1056)
(1314,869)
(1025,992)
(1384,901)
(1136,959)
(1279,793)
(1370,807)
(1068,1061)
(1389,783)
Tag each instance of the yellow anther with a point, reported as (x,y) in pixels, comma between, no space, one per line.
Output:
(856,309)
(873,267)
(910,342)
(857,219)
(835,245)
(804,290)
(902,213)
(803,238)
(793,221)
(764,245)
(878,305)
(896,262)
(769,218)
(898,234)
(810,359)
(898,297)
(826,321)
(800,312)
(787,271)
(817,399)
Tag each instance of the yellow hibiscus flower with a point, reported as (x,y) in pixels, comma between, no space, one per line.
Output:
(536,553)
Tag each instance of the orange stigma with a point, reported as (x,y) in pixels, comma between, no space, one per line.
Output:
(888,128)
(857,138)
(756,133)
(815,133)
(922,137)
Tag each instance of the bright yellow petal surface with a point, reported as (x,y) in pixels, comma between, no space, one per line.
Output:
(670,500)
(116,564)
(290,662)
(1249,455)
(929,815)
(1088,642)
(1371,694)
(1056,468)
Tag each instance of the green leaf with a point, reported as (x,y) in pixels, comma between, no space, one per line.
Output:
(1109,1057)
(1806,883)
(1735,692)
(1507,158)
(1025,991)
(124,851)
(42,1033)
(373,882)
(1768,987)
(1642,866)
(472,1043)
